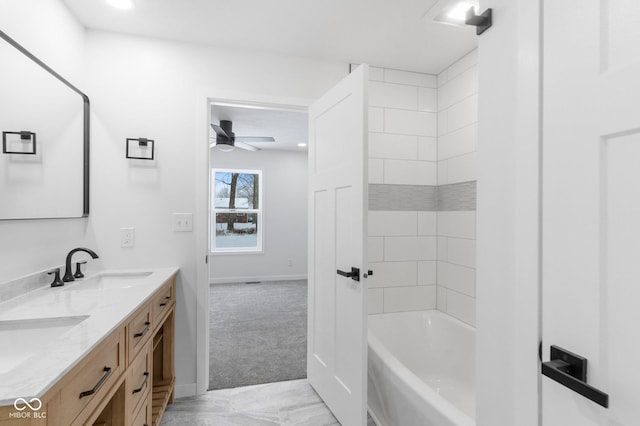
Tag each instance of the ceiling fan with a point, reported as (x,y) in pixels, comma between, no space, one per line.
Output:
(226,140)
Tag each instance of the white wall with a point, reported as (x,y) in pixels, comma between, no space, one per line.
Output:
(402,151)
(284,218)
(158,89)
(457,136)
(50,32)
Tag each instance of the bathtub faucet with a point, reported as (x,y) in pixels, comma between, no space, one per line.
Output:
(68,275)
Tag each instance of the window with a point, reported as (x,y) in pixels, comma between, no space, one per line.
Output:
(237,211)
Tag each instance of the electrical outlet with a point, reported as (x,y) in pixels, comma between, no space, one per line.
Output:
(183,222)
(127,237)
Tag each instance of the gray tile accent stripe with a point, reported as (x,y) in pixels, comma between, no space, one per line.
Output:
(457,196)
(402,197)
(452,197)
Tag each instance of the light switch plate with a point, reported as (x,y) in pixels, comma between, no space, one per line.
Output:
(127,237)
(183,222)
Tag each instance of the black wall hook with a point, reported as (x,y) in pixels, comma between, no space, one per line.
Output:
(481,22)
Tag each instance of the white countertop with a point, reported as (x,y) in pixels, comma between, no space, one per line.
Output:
(106,307)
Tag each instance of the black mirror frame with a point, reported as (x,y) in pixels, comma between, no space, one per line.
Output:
(86,115)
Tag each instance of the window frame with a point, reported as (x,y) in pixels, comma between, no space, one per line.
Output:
(259,248)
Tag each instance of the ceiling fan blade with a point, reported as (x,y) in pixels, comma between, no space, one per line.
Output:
(245,146)
(252,139)
(219,132)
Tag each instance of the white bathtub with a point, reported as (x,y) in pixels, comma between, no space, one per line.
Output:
(421,370)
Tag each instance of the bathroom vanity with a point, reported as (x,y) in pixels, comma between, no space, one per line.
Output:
(98,351)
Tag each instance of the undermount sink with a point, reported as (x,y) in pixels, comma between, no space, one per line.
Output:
(23,338)
(110,281)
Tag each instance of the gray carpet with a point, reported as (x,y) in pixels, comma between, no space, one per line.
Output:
(258,333)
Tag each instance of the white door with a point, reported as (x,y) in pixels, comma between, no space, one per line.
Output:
(591,207)
(337,345)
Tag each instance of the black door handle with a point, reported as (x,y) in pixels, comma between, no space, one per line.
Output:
(570,370)
(354,274)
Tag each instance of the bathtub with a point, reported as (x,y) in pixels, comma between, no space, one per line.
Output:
(421,370)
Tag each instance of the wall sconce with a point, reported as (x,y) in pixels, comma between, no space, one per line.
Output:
(140,149)
(19,143)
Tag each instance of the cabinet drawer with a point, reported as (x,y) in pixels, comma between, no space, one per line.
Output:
(88,383)
(163,300)
(143,417)
(139,330)
(139,379)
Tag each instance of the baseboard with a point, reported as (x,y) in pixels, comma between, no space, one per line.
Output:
(188,389)
(257,278)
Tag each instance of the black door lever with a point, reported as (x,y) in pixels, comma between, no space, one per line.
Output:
(354,274)
(570,370)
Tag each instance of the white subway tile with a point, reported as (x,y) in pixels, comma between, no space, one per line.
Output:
(427,272)
(400,248)
(441,294)
(376,171)
(464,63)
(427,99)
(462,307)
(412,78)
(443,122)
(460,142)
(462,252)
(457,89)
(400,147)
(427,248)
(403,299)
(427,223)
(461,168)
(375,249)
(462,114)
(390,95)
(442,172)
(406,172)
(460,224)
(393,274)
(457,278)
(410,122)
(376,119)
(427,148)
(376,74)
(442,248)
(375,301)
(393,223)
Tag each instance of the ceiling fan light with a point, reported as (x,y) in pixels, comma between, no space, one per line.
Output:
(224,147)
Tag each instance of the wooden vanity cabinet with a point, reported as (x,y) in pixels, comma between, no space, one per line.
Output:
(127,380)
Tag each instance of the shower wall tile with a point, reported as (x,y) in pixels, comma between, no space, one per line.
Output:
(459,224)
(407,172)
(376,171)
(401,299)
(427,223)
(391,95)
(462,252)
(390,146)
(458,142)
(462,64)
(462,307)
(457,196)
(410,78)
(461,87)
(376,296)
(427,272)
(376,119)
(427,99)
(376,74)
(462,168)
(393,223)
(457,278)
(413,122)
(462,114)
(427,148)
(402,198)
(393,274)
(375,249)
(409,248)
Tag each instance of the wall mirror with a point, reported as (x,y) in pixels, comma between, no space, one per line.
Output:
(44,122)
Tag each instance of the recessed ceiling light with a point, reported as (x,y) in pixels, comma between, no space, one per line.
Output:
(302,144)
(120,4)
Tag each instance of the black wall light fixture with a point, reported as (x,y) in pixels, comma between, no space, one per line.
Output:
(482,22)
(26,140)
(140,149)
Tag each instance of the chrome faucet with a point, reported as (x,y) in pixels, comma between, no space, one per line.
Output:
(68,275)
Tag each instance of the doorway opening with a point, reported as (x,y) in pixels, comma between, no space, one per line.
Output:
(258,244)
